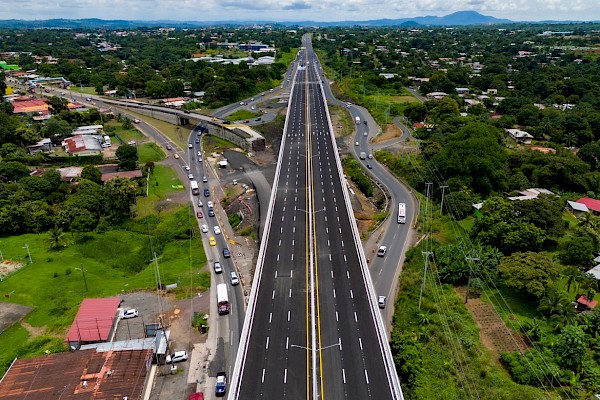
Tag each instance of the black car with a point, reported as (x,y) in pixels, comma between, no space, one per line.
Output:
(211,212)
(226,253)
(206,192)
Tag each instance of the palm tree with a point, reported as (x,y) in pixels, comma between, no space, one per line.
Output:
(533,330)
(56,238)
(573,275)
(567,315)
(553,302)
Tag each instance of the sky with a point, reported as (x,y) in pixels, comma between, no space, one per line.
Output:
(295,10)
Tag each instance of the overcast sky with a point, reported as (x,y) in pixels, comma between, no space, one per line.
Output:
(290,10)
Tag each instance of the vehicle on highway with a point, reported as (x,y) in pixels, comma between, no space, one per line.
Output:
(212,241)
(211,212)
(242,103)
(270,90)
(381,301)
(135,121)
(178,356)
(382,250)
(131,143)
(199,214)
(131,313)
(401,213)
(191,177)
(190,145)
(206,192)
(221,384)
(217,230)
(199,159)
(257,119)
(195,188)
(370,156)
(365,122)
(204,228)
(357,119)
(366,133)
(200,204)
(369,166)
(209,204)
(362,155)
(234,279)
(222,299)
(169,147)
(197,140)
(226,253)
(187,167)
(204,179)
(218,268)
(199,154)
(176,156)
(356,143)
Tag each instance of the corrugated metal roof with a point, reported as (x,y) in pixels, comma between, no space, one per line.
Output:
(78,375)
(94,320)
(592,204)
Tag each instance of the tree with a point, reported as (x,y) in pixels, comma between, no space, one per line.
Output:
(127,156)
(91,173)
(590,153)
(12,171)
(56,129)
(57,104)
(572,347)
(415,112)
(119,196)
(530,272)
(578,251)
(553,302)
(56,238)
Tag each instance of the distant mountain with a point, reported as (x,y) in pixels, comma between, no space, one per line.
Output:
(457,18)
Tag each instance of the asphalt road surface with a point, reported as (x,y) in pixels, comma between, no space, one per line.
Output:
(313,327)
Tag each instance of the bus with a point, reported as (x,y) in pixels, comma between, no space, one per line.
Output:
(401,213)
(195,188)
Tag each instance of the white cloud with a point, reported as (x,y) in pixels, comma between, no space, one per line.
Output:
(318,10)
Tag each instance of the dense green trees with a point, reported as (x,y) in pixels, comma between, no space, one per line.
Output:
(532,273)
(128,157)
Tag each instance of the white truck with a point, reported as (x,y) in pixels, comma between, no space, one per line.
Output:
(362,155)
(222,299)
(195,188)
(357,119)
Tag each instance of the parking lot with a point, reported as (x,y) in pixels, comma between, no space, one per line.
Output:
(148,308)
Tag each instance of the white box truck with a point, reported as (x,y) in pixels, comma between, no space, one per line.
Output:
(195,188)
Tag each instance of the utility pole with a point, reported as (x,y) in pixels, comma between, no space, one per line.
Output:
(426,254)
(83,273)
(470,260)
(427,186)
(443,187)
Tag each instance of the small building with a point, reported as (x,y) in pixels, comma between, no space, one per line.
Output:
(83,145)
(583,303)
(595,271)
(41,146)
(30,107)
(95,321)
(436,95)
(520,136)
(592,204)
(462,91)
(69,174)
(122,174)
(577,208)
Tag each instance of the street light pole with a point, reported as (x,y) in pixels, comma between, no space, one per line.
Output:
(83,273)
(28,253)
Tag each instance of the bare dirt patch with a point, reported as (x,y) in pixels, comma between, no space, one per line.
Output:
(11,313)
(391,131)
(493,332)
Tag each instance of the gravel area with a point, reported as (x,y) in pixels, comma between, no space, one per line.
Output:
(149,311)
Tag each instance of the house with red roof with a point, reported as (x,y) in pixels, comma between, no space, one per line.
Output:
(592,204)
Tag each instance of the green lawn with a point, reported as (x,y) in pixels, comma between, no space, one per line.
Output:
(163,181)
(242,115)
(150,152)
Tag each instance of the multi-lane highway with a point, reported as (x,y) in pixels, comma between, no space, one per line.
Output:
(312,329)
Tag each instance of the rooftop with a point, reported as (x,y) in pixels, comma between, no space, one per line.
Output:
(78,375)
(94,320)
(592,204)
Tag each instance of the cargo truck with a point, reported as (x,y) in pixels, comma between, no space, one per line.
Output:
(222,299)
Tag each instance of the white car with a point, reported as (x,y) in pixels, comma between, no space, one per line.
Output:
(218,268)
(381,301)
(217,230)
(209,204)
(131,143)
(199,154)
(234,279)
(190,145)
(204,179)
(356,143)
(178,356)
(382,250)
(190,177)
(187,167)
(200,204)
(131,313)
(204,229)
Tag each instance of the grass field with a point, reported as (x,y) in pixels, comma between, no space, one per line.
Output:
(242,115)
(177,134)
(150,152)
(162,182)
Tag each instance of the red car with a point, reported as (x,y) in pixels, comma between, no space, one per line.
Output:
(199,214)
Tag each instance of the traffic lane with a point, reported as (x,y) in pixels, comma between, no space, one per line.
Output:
(356,324)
